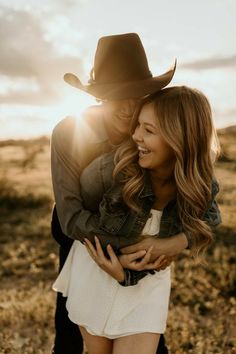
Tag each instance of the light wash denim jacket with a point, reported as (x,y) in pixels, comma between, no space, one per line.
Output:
(101,195)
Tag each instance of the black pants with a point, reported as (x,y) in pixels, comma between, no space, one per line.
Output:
(68,339)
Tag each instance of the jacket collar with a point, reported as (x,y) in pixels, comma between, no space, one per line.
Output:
(147,189)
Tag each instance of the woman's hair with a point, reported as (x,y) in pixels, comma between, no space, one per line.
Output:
(185,123)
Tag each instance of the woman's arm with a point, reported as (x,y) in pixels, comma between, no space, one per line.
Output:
(111,264)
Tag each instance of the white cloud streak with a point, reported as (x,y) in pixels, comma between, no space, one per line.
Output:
(211,63)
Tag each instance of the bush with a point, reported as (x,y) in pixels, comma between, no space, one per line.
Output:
(11,198)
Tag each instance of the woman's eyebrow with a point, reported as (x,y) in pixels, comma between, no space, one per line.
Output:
(150,125)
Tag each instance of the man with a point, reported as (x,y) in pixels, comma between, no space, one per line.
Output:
(120,77)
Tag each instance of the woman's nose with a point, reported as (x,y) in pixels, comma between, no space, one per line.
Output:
(137,136)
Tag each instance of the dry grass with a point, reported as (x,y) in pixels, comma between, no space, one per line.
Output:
(202,307)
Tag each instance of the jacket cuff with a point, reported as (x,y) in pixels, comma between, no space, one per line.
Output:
(127,280)
(132,277)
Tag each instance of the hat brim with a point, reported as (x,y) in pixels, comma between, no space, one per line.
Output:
(119,91)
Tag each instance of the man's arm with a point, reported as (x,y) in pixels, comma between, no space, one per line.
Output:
(170,246)
(69,146)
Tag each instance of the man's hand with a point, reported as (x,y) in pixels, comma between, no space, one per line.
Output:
(111,266)
(170,247)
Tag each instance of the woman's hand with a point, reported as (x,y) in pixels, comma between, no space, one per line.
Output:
(111,266)
(135,262)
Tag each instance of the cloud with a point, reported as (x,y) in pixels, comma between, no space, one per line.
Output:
(68,4)
(32,98)
(27,53)
(211,63)
(22,43)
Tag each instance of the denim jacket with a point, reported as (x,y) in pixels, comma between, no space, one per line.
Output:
(101,194)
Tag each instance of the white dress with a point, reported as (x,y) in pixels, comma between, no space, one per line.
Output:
(99,303)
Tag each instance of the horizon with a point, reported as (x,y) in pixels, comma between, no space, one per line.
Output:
(4,141)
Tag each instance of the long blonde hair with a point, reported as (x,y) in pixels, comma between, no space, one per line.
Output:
(185,123)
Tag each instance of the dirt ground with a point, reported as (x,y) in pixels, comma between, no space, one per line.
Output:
(202,306)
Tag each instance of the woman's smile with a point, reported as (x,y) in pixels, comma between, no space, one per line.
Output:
(143,151)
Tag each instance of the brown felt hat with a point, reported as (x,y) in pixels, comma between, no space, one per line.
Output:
(121,70)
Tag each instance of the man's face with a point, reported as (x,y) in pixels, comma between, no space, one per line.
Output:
(118,116)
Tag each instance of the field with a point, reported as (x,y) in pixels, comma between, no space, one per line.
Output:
(203,303)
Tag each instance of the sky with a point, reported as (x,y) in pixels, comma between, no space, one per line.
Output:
(41,40)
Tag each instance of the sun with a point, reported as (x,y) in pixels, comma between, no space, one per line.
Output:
(73,104)
(36,120)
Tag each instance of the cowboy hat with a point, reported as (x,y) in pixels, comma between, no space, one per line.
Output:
(121,70)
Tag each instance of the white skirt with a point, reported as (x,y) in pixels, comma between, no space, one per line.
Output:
(99,303)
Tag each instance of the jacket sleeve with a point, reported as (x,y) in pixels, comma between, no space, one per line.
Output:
(76,221)
(212,215)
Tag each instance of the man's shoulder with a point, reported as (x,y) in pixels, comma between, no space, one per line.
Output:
(83,127)
(92,115)
(70,124)
(62,134)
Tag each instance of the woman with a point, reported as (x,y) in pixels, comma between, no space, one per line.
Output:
(163,184)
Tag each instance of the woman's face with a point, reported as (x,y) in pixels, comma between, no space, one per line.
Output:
(154,152)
